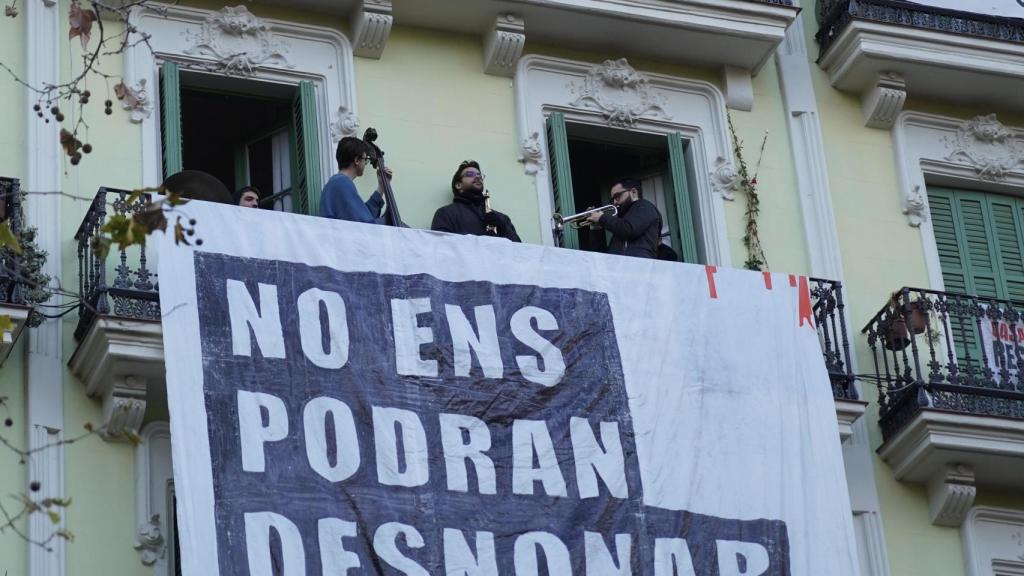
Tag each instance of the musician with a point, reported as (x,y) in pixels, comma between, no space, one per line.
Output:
(248,197)
(636,229)
(340,199)
(468,214)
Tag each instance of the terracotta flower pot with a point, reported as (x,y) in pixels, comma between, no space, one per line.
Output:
(898,337)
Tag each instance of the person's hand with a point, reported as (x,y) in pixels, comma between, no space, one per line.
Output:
(388,172)
(492,219)
(595,218)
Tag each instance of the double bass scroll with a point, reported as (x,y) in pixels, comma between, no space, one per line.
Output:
(391,216)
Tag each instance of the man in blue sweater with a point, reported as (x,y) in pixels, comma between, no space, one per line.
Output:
(340,199)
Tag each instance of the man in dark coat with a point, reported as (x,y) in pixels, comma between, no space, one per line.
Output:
(636,229)
(467,214)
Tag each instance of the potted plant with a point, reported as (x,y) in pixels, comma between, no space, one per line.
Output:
(903,324)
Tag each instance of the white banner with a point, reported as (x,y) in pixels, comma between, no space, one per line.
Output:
(349,396)
(1004,346)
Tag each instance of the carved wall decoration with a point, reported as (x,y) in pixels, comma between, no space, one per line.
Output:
(150,541)
(531,154)
(345,123)
(725,179)
(914,206)
(991,148)
(136,101)
(239,41)
(621,93)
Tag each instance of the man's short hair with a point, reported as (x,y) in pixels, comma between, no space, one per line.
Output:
(241,191)
(629,183)
(349,149)
(458,172)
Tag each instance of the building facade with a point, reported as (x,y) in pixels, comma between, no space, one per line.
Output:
(892,172)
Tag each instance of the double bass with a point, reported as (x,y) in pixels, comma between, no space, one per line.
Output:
(391,216)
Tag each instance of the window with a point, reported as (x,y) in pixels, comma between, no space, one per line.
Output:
(586,160)
(980,241)
(243,132)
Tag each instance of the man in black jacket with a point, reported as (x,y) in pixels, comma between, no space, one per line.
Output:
(466,214)
(636,229)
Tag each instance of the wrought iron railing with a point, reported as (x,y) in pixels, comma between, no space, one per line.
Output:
(134,292)
(947,351)
(11,288)
(830,320)
(835,15)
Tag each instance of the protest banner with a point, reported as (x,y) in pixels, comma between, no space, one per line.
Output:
(350,398)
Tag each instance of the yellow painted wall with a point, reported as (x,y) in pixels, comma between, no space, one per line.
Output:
(13,551)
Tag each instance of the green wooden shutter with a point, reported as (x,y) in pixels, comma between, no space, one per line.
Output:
(561,175)
(1006,224)
(680,217)
(241,166)
(170,117)
(306,180)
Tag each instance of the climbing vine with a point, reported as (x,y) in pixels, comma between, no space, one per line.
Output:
(756,259)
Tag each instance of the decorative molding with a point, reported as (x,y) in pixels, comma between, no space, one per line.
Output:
(993,539)
(915,207)
(986,144)
(620,93)
(153,512)
(725,179)
(119,360)
(503,45)
(137,101)
(345,123)
(150,541)
(951,494)
(531,154)
(124,406)
(318,54)
(848,412)
(693,109)
(239,42)
(923,155)
(45,25)
(371,28)
(739,88)
(883,101)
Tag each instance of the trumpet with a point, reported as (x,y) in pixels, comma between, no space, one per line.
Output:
(580,220)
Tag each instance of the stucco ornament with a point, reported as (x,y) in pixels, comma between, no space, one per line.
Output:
(531,154)
(915,207)
(239,41)
(621,93)
(150,543)
(991,148)
(135,99)
(345,124)
(725,179)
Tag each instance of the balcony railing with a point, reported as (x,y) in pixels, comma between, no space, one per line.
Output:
(834,15)
(11,289)
(830,319)
(134,292)
(947,351)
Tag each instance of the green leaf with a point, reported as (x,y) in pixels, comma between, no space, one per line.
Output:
(7,237)
(54,517)
(6,325)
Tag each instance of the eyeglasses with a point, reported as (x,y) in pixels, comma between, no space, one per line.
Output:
(362,158)
(619,194)
(473,174)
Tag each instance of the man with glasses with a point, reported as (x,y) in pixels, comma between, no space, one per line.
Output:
(340,200)
(636,229)
(468,213)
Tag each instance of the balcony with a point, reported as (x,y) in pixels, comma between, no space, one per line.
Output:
(738,36)
(887,50)
(120,358)
(120,354)
(951,395)
(13,303)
